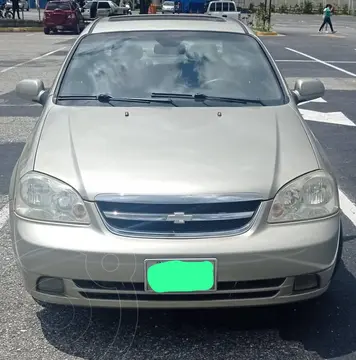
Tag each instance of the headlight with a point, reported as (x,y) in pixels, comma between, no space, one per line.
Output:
(311,196)
(41,197)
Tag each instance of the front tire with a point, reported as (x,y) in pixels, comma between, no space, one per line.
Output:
(46,31)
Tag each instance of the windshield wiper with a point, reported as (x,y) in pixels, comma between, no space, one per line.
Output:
(203,97)
(108,99)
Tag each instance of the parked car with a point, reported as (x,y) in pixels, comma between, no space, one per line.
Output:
(62,15)
(181,181)
(23,5)
(168,7)
(104,8)
(86,10)
(223,8)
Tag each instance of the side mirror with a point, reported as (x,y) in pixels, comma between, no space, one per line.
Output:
(31,90)
(308,89)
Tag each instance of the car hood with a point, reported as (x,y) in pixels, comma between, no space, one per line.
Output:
(168,151)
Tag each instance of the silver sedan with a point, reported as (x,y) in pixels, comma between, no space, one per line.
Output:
(168,7)
(171,168)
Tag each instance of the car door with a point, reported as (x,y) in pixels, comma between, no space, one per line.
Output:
(86,10)
(104,8)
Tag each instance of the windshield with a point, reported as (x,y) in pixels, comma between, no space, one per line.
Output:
(168,3)
(87,5)
(137,64)
(52,5)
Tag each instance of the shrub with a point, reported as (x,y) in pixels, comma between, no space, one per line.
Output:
(307,7)
(283,9)
(345,10)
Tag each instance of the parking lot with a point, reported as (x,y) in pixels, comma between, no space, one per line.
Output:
(325,329)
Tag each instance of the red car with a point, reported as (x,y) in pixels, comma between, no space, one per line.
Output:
(62,15)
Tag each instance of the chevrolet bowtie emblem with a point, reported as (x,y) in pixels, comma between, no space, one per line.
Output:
(179,217)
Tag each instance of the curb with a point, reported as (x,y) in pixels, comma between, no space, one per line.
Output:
(21,29)
(266,33)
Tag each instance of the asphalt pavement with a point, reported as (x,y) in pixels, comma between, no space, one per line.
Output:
(324,329)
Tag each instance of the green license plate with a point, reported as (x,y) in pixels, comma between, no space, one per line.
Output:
(180,275)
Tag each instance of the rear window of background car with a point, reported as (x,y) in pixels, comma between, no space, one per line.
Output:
(222,6)
(58,5)
(104,5)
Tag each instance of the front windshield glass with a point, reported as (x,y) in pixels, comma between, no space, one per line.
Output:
(137,64)
(168,3)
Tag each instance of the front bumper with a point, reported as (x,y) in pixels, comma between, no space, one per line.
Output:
(66,26)
(101,269)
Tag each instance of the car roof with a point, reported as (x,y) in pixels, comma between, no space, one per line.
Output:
(167,22)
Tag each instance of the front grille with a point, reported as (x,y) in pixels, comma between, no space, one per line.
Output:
(190,218)
(233,290)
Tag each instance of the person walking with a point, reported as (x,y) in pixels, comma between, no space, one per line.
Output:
(327,18)
(326,25)
(15,8)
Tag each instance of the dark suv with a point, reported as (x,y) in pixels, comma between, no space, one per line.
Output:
(62,15)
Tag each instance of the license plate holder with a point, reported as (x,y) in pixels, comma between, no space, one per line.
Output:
(60,27)
(180,276)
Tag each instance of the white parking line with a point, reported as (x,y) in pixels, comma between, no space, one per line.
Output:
(34,59)
(295,60)
(347,207)
(322,62)
(4,215)
(20,105)
(336,117)
(318,100)
(314,61)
